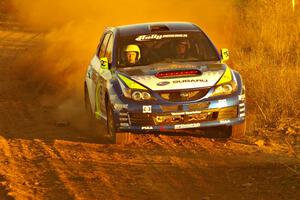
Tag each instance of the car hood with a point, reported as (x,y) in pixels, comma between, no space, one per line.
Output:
(147,75)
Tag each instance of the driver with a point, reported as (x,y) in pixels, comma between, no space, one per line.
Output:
(132,54)
(181,50)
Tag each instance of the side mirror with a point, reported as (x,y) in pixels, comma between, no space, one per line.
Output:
(104,63)
(224,54)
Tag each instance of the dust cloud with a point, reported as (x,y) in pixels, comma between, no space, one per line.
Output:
(72,29)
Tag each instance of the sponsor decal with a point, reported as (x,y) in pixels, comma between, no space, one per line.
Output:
(94,75)
(164,83)
(90,72)
(159,37)
(242,109)
(226,76)
(120,106)
(147,128)
(184,94)
(124,124)
(130,83)
(190,81)
(183,126)
(187,113)
(160,119)
(193,112)
(224,121)
(123,114)
(222,103)
(161,128)
(242,97)
(171,67)
(147,109)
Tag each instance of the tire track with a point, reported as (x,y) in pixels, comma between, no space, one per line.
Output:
(65,169)
(127,172)
(193,185)
(170,176)
(3,191)
(5,157)
(198,170)
(11,172)
(128,180)
(84,182)
(40,178)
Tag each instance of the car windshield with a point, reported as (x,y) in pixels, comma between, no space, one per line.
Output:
(137,50)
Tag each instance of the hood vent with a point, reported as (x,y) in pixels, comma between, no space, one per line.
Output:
(158,27)
(181,96)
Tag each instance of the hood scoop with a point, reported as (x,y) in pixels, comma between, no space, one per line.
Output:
(178,73)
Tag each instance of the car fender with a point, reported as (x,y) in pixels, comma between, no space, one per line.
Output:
(239,80)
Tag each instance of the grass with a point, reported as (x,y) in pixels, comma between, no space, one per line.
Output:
(266,50)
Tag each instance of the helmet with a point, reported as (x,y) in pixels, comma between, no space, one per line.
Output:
(183,42)
(134,48)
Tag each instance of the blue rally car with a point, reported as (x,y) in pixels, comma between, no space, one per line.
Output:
(163,76)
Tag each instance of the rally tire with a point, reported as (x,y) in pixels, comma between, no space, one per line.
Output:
(116,137)
(123,138)
(238,131)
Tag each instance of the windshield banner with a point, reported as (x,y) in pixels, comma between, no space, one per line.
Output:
(159,37)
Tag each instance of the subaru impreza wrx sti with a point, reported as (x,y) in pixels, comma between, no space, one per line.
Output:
(164,76)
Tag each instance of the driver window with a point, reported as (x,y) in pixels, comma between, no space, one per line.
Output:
(109,49)
(103,46)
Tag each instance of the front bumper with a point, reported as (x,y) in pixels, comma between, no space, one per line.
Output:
(135,117)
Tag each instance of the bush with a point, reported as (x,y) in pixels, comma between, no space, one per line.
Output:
(267,53)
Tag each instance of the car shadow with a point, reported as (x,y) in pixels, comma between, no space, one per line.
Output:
(217,133)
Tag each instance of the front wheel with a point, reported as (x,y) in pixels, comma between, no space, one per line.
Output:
(123,138)
(239,130)
(116,137)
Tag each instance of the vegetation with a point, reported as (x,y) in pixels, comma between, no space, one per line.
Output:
(267,53)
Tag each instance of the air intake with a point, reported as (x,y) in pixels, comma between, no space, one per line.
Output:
(159,27)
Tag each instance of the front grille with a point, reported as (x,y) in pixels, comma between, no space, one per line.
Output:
(228,113)
(170,108)
(168,119)
(180,96)
(199,106)
(140,119)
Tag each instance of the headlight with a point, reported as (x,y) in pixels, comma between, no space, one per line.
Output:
(140,96)
(146,96)
(225,89)
(137,96)
(133,90)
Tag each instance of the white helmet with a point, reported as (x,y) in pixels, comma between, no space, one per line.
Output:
(134,48)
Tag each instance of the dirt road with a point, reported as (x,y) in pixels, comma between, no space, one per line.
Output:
(42,157)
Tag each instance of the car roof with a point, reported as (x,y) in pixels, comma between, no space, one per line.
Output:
(148,28)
